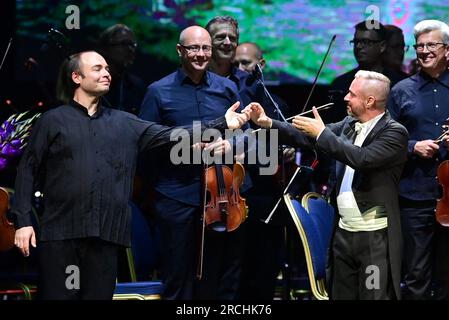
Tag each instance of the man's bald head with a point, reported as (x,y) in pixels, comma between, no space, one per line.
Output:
(195,51)
(247,56)
(375,84)
(251,48)
(193,32)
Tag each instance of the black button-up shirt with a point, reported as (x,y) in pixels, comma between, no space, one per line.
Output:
(86,165)
(421,104)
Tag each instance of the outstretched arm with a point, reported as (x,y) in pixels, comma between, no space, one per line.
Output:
(287,133)
(157,135)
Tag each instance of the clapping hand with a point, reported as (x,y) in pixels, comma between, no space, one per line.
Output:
(234,119)
(257,114)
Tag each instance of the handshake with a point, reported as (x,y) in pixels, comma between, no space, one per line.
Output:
(236,120)
(311,127)
(253,111)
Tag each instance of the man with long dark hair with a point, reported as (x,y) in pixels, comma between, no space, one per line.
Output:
(85,154)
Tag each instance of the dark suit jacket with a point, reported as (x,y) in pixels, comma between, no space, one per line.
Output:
(378,165)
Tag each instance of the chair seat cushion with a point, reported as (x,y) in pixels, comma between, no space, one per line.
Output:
(143,288)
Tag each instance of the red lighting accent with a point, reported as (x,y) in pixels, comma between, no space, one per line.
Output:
(8,101)
(40,104)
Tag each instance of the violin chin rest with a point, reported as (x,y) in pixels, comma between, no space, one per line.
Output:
(218,226)
(443,220)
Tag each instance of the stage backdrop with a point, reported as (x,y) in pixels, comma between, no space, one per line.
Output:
(294,34)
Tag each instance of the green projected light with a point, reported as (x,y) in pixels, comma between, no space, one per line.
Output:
(294,35)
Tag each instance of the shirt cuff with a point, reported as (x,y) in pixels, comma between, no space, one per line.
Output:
(219,123)
(21,220)
(319,134)
(411,147)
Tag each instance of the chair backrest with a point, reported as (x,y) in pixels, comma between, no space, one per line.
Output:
(314,219)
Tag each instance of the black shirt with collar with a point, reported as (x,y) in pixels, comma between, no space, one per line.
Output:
(86,166)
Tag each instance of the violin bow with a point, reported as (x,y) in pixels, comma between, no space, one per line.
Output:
(303,112)
(323,107)
(6,52)
(319,72)
(199,271)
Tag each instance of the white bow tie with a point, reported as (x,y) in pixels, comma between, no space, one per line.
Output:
(359,126)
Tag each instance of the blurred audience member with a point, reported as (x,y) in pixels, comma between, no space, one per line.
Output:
(118,45)
(395,49)
(369,46)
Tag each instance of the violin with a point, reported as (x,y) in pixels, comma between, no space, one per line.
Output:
(7,230)
(224,208)
(442,210)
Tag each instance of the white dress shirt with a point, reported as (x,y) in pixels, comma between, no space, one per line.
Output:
(351,219)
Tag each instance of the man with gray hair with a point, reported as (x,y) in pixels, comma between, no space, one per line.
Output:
(370,150)
(224,32)
(421,103)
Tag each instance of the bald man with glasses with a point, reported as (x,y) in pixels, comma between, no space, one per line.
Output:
(191,93)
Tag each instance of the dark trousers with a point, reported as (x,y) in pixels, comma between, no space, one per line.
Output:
(77,269)
(180,228)
(177,224)
(264,249)
(425,255)
(361,267)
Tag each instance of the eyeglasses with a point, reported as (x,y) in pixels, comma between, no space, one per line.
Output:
(431,46)
(196,48)
(364,42)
